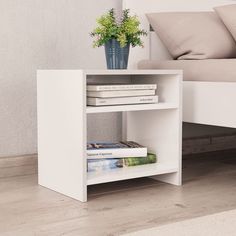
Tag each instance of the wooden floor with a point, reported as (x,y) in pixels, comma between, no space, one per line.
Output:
(117,208)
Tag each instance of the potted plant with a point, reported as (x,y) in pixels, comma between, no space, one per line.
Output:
(117,35)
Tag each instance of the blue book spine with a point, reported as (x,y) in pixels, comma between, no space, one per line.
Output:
(104,164)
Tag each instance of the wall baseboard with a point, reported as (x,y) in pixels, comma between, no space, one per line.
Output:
(18,165)
(27,164)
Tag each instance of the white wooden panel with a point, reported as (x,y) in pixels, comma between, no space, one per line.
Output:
(62,128)
(62,132)
(131,173)
(210,103)
(139,107)
(112,73)
(161,130)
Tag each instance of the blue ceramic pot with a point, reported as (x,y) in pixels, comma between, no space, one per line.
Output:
(116,56)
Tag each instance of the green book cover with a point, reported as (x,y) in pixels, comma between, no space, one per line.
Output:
(135,161)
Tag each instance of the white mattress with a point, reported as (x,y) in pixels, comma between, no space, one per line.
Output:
(215,70)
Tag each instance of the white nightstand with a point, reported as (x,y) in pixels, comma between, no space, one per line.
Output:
(62,128)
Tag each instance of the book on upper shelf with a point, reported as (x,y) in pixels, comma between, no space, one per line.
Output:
(123,93)
(96,150)
(96,165)
(113,87)
(121,100)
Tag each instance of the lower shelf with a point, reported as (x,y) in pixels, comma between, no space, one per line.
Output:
(130,173)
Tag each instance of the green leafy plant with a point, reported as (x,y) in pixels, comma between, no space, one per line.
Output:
(125,31)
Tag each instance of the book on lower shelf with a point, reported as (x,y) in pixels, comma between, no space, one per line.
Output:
(99,165)
(100,150)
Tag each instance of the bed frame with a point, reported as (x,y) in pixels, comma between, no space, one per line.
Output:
(211,103)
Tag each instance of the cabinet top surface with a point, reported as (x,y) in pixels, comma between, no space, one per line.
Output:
(127,72)
(130,72)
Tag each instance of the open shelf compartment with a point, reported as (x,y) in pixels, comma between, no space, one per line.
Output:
(159,131)
(167,89)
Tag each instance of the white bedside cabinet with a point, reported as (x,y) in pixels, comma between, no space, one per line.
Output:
(62,128)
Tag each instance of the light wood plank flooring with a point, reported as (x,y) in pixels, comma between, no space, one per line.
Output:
(113,209)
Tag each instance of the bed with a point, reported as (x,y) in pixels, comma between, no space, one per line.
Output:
(209,87)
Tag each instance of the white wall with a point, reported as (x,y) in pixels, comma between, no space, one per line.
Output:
(41,34)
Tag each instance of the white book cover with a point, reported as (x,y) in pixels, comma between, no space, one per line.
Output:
(122,100)
(118,93)
(113,87)
(115,150)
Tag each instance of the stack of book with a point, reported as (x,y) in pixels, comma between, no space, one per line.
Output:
(107,156)
(121,94)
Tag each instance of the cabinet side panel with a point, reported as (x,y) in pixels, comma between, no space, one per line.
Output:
(161,130)
(62,131)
